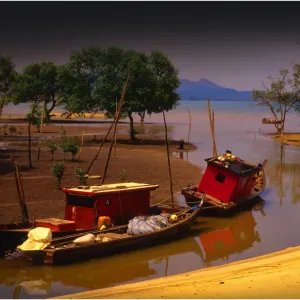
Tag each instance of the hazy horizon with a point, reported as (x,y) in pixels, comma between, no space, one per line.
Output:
(233,44)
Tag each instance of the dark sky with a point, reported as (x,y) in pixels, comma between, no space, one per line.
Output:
(234,44)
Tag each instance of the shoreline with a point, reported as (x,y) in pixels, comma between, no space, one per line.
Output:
(241,279)
(291,139)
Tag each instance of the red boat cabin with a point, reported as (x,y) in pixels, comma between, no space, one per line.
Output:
(228,180)
(121,202)
(84,205)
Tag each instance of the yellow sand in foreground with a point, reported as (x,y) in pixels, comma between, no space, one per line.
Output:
(275,275)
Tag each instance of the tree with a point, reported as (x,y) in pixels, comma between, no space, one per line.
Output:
(38,83)
(7,76)
(57,171)
(77,79)
(109,85)
(30,118)
(94,78)
(166,84)
(280,96)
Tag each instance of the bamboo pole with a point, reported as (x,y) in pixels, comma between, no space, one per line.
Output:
(20,191)
(116,135)
(81,144)
(29,143)
(115,127)
(41,129)
(190,125)
(211,120)
(100,148)
(168,154)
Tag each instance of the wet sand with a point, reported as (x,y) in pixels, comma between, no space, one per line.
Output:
(274,275)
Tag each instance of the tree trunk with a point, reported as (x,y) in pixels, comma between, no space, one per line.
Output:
(1,109)
(51,108)
(29,146)
(132,134)
(142,115)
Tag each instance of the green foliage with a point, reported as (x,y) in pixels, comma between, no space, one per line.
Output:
(38,82)
(281,95)
(12,129)
(69,144)
(94,78)
(7,77)
(57,172)
(166,83)
(81,175)
(34,116)
(70,147)
(52,148)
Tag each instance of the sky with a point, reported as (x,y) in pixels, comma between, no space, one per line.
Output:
(234,44)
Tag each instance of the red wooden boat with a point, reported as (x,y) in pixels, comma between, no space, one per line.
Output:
(83,207)
(228,182)
(119,238)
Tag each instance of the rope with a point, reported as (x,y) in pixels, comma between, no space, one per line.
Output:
(168,198)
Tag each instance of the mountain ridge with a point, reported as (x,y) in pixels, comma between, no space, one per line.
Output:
(203,88)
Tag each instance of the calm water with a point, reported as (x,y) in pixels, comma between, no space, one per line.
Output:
(213,241)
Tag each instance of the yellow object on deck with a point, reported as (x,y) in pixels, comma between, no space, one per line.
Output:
(38,239)
(174,218)
(103,227)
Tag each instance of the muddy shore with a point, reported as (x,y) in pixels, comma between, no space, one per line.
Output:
(143,161)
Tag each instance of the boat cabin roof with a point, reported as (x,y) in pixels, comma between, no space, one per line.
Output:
(239,168)
(111,188)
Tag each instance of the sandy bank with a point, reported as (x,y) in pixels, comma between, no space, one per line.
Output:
(274,275)
(292,139)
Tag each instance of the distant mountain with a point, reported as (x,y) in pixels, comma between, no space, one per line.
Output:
(203,89)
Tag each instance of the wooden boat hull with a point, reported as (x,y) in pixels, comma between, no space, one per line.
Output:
(192,197)
(13,235)
(271,122)
(127,243)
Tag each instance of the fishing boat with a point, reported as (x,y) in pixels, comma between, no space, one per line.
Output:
(172,222)
(83,207)
(228,183)
(269,120)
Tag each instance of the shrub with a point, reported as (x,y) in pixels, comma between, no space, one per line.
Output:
(12,129)
(81,175)
(57,172)
(71,147)
(52,148)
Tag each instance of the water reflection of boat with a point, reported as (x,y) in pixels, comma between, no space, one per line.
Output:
(100,273)
(236,236)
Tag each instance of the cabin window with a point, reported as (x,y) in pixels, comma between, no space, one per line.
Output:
(80,200)
(220,177)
